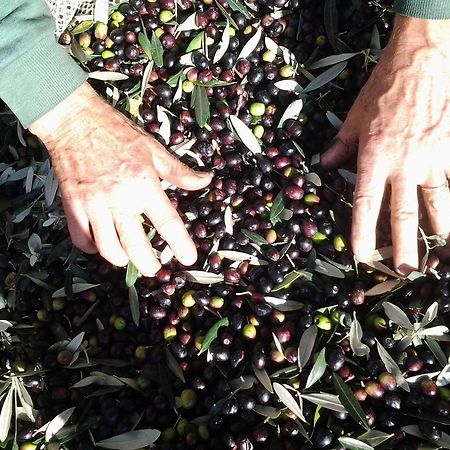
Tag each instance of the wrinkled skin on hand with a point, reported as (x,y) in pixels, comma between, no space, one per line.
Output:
(400,127)
(109,173)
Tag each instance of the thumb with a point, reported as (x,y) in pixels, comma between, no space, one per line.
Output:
(344,145)
(171,169)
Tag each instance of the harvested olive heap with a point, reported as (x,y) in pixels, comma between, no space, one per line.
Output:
(276,338)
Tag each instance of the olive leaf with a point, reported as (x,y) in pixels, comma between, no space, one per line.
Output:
(374,437)
(131,440)
(107,76)
(291,112)
(267,411)
(289,85)
(133,301)
(354,444)
(283,305)
(355,336)
(75,343)
(331,60)
(201,277)
(245,135)
(317,370)
(57,423)
(263,378)
(325,400)
(239,7)
(196,42)
(223,45)
(392,367)
(190,23)
(173,365)
(306,345)
(76,289)
(443,378)
(240,256)
(348,176)
(82,27)
(436,350)
(255,237)
(163,118)
(251,44)
(277,208)
(349,401)
(6,414)
(211,335)
(327,268)
(290,278)
(145,44)
(397,315)
(383,288)
(289,401)
(132,274)
(334,120)
(325,77)
(413,430)
(330,19)
(200,104)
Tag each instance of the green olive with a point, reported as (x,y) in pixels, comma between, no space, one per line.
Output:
(120,323)
(257,109)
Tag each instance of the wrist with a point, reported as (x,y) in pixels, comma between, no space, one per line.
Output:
(412,32)
(59,120)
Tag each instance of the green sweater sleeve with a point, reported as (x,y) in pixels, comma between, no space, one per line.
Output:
(36,73)
(424,9)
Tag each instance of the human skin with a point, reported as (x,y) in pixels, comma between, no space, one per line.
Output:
(400,127)
(109,173)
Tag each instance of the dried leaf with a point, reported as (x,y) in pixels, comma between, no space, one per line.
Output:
(251,44)
(201,277)
(211,335)
(57,423)
(133,301)
(325,77)
(289,401)
(306,346)
(349,401)
(245,135)
(392,367)
(317,370)
(132,440)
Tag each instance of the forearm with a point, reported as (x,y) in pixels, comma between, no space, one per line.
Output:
(36,74)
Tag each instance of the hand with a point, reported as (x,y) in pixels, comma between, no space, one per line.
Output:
(400,124)
(109,174)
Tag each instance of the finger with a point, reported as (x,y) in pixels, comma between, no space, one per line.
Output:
(78,225)
(105,235)
(136,244)
(437,205)
(171,228)
(404,224)
(369,189)
(174,171)
(343,146)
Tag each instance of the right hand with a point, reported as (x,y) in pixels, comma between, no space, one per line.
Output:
(109,173)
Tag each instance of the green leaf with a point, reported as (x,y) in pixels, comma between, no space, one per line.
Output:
(195,43)
(254,237)
(354,444)
(211,335)
(374,437)
(306,345)
(131,275)
(157,51)
(173,365)
(133,301)
(240,7)
(325,400)
(131,440)
(330,19)
(277,208)
(144,42)
(288,400)
(173,80)
(325,77)
(200,103)
(349,401)
(325,268)
(317,370)
(290,278)
(82,27)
